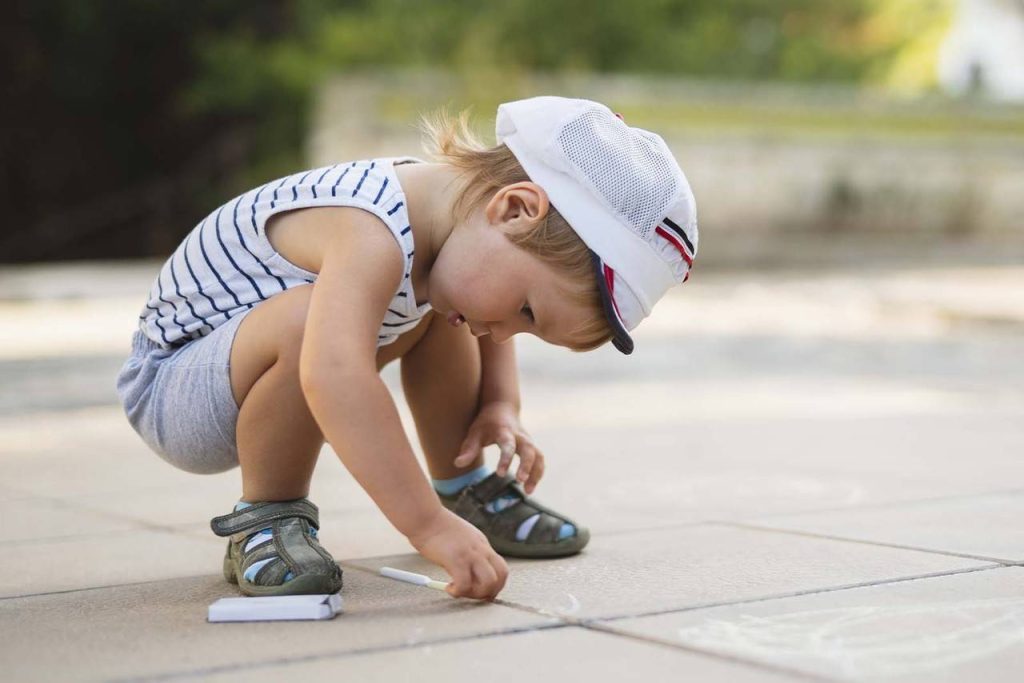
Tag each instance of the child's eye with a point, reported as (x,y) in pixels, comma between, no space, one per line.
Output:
(528,312)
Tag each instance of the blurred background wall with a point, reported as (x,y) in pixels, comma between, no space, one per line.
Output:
(803,125)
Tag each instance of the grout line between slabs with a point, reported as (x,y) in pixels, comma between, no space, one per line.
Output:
(71,506)
(896,503)
(178,530)
(862,541)
(793,594)
(341,654)
(563,621)
(98,588)
(732,659)
(814,511)
(595,622)
(568,620)
(181,529)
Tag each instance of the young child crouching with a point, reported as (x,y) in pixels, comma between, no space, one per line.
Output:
(264,333)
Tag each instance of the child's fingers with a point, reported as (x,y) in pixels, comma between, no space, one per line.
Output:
(468,452)
(462,581)
(535,474)
(500,570)
(527,457)
(508,449)
(485,585)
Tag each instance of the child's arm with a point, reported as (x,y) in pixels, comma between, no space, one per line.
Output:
(360,270)
(359,273)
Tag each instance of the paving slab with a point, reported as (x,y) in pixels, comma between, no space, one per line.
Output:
(200,497)
(91,451)
(754,399)
(104,559)
(688,472)
(618,478)
(350,524)
(33,519)
(643,571)
(984,525)
(160,628)
(58,383)
(552,655)
(350,534)
(106,456)
(960,627)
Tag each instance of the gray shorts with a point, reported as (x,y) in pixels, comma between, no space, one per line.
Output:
(179,400)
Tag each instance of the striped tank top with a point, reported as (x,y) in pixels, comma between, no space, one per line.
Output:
(226,264)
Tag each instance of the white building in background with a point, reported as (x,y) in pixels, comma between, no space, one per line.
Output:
(984,51)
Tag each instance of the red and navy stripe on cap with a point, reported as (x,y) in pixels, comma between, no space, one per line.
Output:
(680,241)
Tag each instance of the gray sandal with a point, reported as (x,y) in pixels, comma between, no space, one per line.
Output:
(293,525)
(500,527)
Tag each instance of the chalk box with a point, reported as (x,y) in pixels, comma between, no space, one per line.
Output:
(275,608)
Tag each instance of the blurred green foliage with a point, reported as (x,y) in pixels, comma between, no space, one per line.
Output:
(107,94)
(797,41)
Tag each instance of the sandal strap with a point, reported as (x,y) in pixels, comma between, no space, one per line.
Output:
(472,499)
(259,515)
(490,488)
(505,523)
(263,551)
(298,550)
(271,574)
(293,549)
(546,530)
(292,545)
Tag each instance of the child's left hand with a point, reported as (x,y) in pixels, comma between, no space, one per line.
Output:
(498,423)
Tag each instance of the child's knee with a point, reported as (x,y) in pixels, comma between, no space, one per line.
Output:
(292,322)
(270,335)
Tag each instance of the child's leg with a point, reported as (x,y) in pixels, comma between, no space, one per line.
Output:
(278,439)
(441,378)
(273,548)
(441,375)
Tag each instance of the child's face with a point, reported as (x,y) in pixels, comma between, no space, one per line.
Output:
(488,280)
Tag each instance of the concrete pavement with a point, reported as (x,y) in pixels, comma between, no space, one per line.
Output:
(799,475)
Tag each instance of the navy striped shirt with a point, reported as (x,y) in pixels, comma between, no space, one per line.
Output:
(226,264)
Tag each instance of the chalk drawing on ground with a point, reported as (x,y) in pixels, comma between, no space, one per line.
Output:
(869,641)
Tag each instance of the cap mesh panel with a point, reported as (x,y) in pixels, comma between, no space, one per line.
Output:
(632,171)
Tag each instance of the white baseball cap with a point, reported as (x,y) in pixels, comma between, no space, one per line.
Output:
(619,188)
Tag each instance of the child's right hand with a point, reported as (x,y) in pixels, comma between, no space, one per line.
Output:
(463,551)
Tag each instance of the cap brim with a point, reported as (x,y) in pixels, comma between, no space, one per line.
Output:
(620,337)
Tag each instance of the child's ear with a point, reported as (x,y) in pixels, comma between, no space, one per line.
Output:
(524,202)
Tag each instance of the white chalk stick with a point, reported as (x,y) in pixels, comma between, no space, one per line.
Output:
(412,577)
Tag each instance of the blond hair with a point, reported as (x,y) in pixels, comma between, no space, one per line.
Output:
(485,170)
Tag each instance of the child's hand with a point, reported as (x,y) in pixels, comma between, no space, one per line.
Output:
(463,551)
(499,423)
